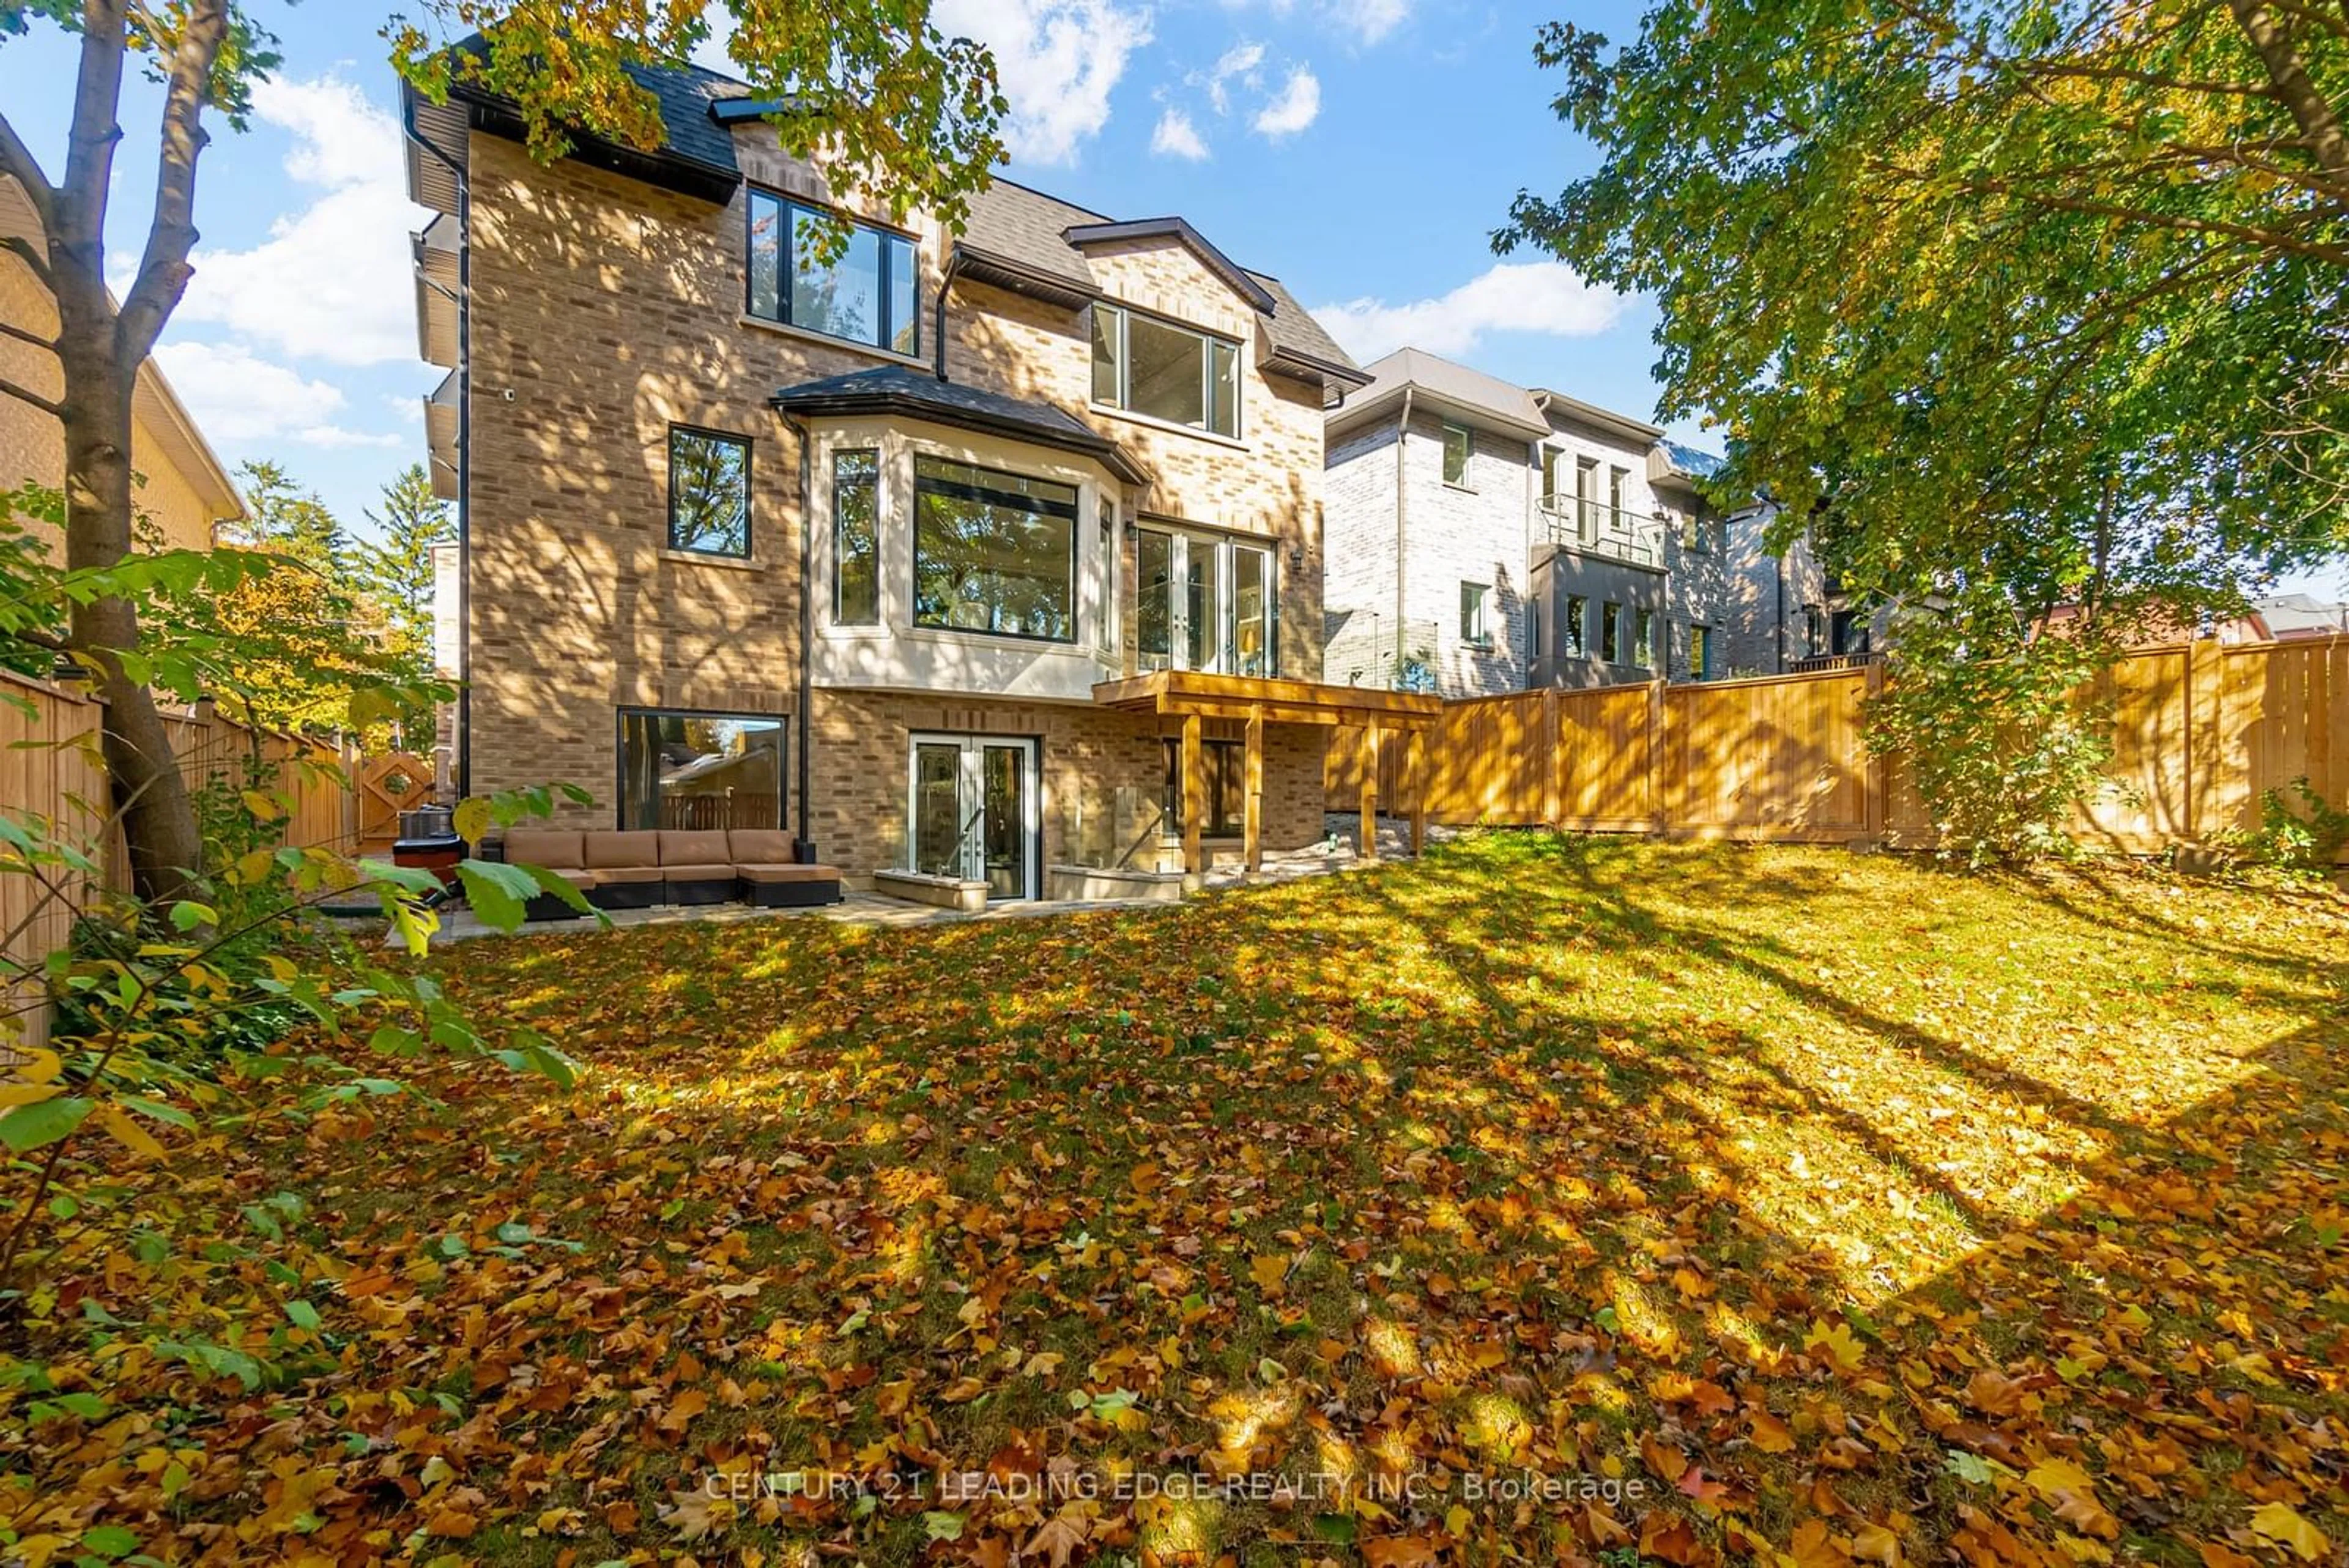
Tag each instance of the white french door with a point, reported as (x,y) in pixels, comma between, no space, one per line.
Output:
(1202,603)
(974,810)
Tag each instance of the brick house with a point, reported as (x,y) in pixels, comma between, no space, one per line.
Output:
(1485,537)
(849,548)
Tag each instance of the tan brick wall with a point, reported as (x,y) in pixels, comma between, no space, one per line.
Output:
(1087,754)
(605,309)
(32,444)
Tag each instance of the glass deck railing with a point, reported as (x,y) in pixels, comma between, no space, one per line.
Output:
(1595,528)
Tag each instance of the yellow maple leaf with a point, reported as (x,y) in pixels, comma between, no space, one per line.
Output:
(1837,1341)
(2280,1522)
(2049,1477)
(1269,1272)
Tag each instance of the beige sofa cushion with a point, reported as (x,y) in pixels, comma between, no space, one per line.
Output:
(618,849)
(761,847)
(683,850)
(557,849)
(790,873)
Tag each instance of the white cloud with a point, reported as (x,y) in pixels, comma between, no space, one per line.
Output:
(1176,137)
(1546,297)
(1296,106)
(1243,62)
(1058,61)
(1371,20)
(332,280)
(238,398)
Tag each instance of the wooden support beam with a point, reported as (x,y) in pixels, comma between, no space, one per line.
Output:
(1252,792)
(1368,846)
(1415,775)
(1195,796)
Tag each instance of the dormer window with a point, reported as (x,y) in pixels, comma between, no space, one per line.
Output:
(1165,372)
(868,295)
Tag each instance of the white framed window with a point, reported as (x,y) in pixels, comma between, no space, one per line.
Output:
(1574,634)
(1202,601)
(1177,375)
(1459,444)
(1476,627)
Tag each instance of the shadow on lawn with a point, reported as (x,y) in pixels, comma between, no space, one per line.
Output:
(1684,1166)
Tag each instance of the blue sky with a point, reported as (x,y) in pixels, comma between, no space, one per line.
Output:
(1362,150)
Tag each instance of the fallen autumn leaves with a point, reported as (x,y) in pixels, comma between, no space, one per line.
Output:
(1548,1199)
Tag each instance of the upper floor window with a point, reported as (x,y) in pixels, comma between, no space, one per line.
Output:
(708,492)
(855,538)
(1696,531)
(1458,442)
(868,295)
(1163,371)
(994,552)
(1573,635)
(1643,639)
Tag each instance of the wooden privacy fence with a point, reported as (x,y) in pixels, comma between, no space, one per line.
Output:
(49,773)
(2201,732)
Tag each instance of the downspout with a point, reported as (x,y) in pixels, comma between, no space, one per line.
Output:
(1402,439)
(464,447)
(938,313)
(804,848)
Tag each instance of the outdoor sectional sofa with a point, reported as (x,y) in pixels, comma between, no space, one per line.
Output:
(637,868)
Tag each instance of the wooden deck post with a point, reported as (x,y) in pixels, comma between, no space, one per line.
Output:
(1195,796)
(1368,847)
(1414,772)
(1252,793)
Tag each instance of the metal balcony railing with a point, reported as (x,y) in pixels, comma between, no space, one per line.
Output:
(1593,528)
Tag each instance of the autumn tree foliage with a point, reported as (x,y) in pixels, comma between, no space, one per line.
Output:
(2012,306)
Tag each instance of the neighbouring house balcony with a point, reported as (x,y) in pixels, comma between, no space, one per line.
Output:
(1593,528)
(1812,663)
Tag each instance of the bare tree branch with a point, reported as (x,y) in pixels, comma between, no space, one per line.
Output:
(77,229)
(164,271)
(2310,107)
(56,411)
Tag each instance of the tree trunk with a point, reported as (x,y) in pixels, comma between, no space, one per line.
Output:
(158,820)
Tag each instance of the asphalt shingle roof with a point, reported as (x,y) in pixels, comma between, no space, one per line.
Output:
(896,389)
(1008,223)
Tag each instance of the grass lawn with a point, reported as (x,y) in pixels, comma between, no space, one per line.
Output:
(1549,1198)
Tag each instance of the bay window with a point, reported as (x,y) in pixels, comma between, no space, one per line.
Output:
(994,552)
(1163,371)
(867,295)
(1202,602)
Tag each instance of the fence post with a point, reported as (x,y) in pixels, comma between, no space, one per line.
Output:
(2201,729)
(1367,848)
(1657,758)
(1553,784)
(1876,771)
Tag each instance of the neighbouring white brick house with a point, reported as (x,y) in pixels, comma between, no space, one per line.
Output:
(1485,537)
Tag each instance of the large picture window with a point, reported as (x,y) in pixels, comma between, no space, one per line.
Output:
(699,771)
(868,295)
(994,552)
(708,492)
(1202,603)
(1166,372)
(855,538)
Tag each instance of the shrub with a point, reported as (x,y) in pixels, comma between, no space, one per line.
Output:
(2004,733)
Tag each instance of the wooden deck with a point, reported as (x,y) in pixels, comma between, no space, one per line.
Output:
(1195,697)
